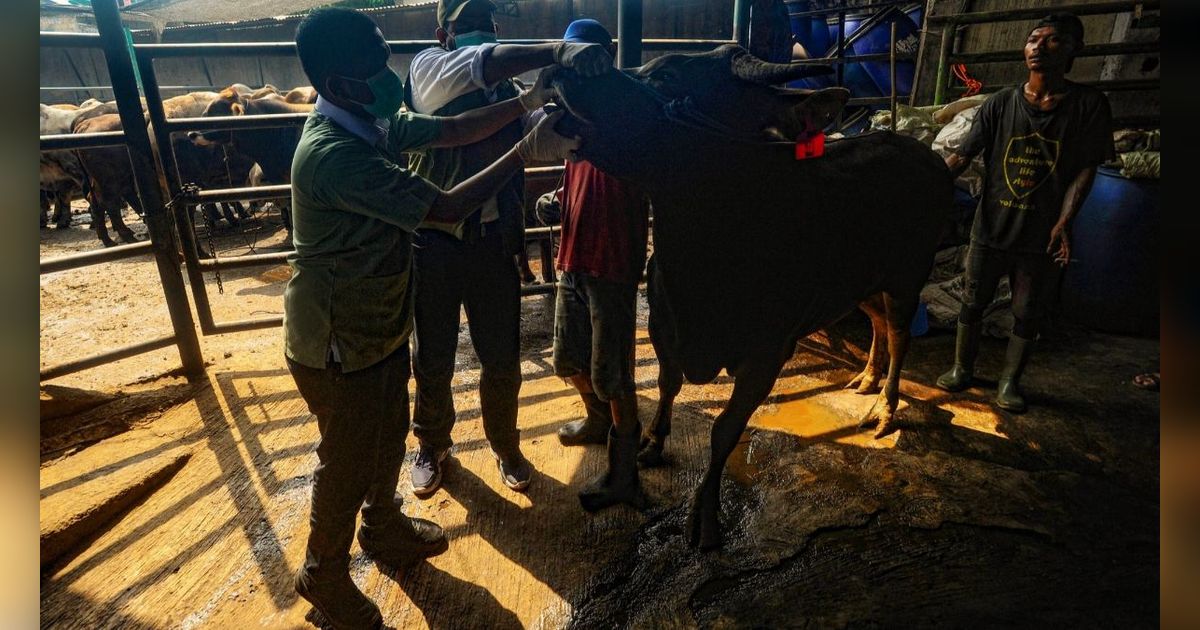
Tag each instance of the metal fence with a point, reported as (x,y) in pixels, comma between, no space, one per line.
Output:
(171,227)
(162,244)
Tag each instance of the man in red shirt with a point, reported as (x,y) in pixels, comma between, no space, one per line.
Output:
(601,257)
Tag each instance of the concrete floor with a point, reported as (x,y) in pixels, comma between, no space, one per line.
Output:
(966,516)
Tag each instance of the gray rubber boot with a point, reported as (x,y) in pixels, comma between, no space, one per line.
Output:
(1008,393)
(966,347)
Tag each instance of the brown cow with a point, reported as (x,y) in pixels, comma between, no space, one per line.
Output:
(306,94)
(271,149)
(60,175)
(110,180)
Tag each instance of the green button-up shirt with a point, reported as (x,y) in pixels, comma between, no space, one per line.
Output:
(354,208)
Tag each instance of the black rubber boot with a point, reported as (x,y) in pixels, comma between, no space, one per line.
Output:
(391,537)
(339,601)
(1008,393)
(325,582)
(966,347)
(404,541)
(620,484)
(593,428)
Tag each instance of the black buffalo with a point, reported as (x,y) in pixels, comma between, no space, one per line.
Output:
(755,249)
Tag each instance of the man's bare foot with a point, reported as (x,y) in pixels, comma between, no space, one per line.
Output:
(1148,381)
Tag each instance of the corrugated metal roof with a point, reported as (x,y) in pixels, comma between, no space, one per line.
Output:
(207,11)
(295,12)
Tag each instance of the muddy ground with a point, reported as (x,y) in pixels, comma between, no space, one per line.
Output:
(966,516)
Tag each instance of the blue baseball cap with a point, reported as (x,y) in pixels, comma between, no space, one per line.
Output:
(587,31)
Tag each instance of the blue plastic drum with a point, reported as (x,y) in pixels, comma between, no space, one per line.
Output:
(875,38)
(866,33)
(1111,283)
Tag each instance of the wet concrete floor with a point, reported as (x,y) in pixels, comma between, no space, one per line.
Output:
(966,516)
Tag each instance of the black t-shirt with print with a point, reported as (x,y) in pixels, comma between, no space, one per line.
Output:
(1031,157)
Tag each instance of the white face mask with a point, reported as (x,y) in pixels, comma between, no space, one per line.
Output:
(474,38)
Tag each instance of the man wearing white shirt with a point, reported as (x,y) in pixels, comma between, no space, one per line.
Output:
(471,263)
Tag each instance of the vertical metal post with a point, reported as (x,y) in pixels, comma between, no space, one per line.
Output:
(943,72)
(629,33)
(892,48)
(124,84)
(841,66)
(741,22)
(181,212)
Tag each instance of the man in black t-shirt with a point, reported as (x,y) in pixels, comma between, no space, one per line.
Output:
(1041,143)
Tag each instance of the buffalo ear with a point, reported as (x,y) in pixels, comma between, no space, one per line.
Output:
(237,109)
(820,108)
(804,112)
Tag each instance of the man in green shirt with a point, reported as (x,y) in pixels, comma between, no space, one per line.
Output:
(348,305)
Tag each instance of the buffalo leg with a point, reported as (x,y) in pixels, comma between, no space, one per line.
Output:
(212,216)
(62,210)
(752,384)
(900,311)
(44,201)
(867,382)
(229,212)
(126,234)
(285,214)
(526,272)
(670,373)
(98,211)
(670,381)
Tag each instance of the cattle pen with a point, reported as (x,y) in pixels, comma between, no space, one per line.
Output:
(175,488)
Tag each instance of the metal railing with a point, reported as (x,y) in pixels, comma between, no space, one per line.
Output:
(171,234)
(163,127)
(876,12)
(111,39)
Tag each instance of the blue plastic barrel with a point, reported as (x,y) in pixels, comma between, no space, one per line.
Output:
(876,37)
(866,33)
(1111,283)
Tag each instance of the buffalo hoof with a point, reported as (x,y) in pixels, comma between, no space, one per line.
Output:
(881,415)
(866,383)
(108,242)
(651,455)
(704,528)
(63,225)
(128,237)
(599,498)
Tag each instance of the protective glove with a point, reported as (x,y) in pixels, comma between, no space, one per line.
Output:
(587,59)
(544,144)
(541,91)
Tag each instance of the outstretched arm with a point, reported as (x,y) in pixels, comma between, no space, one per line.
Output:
(509,60)
(476,124)
(542,144)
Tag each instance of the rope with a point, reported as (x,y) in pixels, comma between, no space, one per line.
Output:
(973,84)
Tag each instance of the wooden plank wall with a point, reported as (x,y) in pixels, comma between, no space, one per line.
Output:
(1011,35)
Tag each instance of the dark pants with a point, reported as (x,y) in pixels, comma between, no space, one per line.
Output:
(1030,275)
(363,420)
(480,277)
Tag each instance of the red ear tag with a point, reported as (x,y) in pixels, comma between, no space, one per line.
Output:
(811,147)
